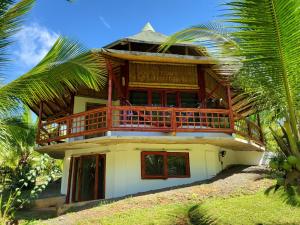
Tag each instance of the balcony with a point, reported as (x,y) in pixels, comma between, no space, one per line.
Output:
(100,121)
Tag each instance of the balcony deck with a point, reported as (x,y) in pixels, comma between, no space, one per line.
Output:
(141,119)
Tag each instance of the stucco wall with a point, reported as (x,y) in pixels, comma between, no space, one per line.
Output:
(123,165)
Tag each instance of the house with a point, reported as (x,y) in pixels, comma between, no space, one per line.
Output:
(163,119)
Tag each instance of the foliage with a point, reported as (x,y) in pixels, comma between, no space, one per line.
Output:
(21,167)
(67,65)
(6,208)
(27,188)
(287,162)
(261,38)
(11,20)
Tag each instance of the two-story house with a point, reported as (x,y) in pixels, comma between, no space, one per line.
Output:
(163,119)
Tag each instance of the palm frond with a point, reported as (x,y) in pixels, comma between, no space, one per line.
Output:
(268,34)
(210,38)
(264,35)
(67,65)
(11,18)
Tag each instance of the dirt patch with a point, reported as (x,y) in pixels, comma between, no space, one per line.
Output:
(229,182)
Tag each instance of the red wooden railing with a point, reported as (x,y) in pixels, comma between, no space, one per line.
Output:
(85,123)
(249,130)
(142,118)
(170,119)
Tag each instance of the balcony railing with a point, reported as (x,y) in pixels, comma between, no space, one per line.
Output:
(249,130)
(138,118)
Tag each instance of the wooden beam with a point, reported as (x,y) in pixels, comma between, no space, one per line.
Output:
(186,50)
(38,107)
(201,84)
(118,86)
(151,48)
(74,179)
(39,122)
(260,130)
(52,111)
(231,117)
(96,194)
(109,100)
(71,106)
(104,174)
(80,178)
(210,94)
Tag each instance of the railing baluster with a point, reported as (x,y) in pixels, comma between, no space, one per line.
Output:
(144,118)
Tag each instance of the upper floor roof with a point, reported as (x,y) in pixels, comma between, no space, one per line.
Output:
(149,40)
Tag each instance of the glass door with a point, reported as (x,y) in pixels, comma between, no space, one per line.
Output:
(88,182)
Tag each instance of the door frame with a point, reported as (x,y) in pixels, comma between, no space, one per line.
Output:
(75,162)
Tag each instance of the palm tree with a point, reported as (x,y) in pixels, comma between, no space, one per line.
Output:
(264,36)
(66,65)
(17,149)
(20,140)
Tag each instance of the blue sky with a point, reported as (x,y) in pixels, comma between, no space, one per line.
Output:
(96,23)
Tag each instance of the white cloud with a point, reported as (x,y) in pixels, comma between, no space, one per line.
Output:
(33,42)
(105,23)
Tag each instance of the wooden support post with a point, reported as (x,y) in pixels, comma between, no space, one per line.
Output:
(71,107)
(260,128)
(126,70)
(69,181)
(80,178)
(96,178)
(38,138)
(173,122)
(231,117)
(109,100)
(201,84)
(74,179)
(249,129)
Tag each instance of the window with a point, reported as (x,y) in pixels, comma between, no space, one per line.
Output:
(163,165)
(164,98)
(189,99)
(139,98)
(157,98)
(171,99)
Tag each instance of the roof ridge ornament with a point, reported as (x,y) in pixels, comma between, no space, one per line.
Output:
(148,27)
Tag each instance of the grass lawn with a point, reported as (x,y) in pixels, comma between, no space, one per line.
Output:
(246,209)
(235,199)
(240,209)
(163,214)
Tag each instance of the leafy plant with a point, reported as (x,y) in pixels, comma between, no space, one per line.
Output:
(27,188)
(288,161)
(260,40)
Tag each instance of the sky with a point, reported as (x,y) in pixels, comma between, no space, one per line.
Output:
(95,23)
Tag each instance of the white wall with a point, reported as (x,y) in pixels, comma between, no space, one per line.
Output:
(123,165)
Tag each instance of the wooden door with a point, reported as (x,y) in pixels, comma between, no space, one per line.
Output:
(88,178)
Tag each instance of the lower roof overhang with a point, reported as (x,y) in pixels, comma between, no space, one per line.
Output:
(233,143)
(157,57)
